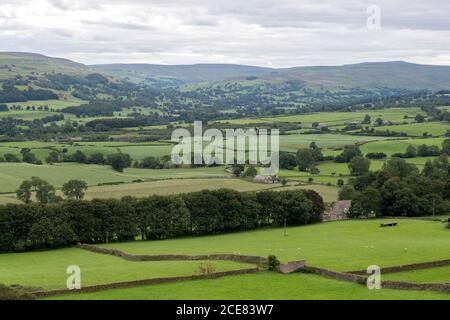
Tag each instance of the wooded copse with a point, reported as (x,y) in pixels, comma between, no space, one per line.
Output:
(41,226)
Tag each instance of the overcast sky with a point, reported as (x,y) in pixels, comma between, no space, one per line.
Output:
(279,33)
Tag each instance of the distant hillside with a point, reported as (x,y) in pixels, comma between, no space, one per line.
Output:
(178,74)
(14,63)
(396,74)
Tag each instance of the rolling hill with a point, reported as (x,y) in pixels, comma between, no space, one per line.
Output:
(374,75)
(177,74)
(394,74)
(24,63)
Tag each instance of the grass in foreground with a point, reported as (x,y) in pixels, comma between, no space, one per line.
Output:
(47,269)
(343,245)
(259,286)
(439,274)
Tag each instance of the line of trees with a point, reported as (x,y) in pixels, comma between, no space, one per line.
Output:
(46,192)
(39,226)
(401,189)
(10,93)
(306,159)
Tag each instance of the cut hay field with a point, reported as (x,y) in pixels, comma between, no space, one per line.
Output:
(184,185)
(178,186)
(12,174)
(343,245)
(173,186)
(47,269)
(255,287)
(137,151)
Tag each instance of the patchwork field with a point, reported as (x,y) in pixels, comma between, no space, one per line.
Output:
(398,145)
(438,274)
(12,174)
(137,151)
(174,186)
(47,269)
(56,105)
(338,118)
(418,129)
(184,185)
(293,142)
(255,287)
(344,246)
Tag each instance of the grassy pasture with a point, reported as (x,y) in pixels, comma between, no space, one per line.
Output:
(293,142)
(47,269)
(173,186)
(439,274)
(255,287)
(138,151)
(417,129)
(26,114)
(330,172)
(336,118)
(344,245)
(393,146)
(52,104)
(177,186)
(12,174)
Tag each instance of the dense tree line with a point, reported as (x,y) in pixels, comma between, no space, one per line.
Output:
(401,189)
(94,108)
(37,226)
(12,94)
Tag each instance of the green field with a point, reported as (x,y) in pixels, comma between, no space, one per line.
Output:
(337,118)
(47,269)
(137,151)
(56,105)
(293,142)
(439,274)
(174,186)
(184,185)
(344,246)
(399,145)
(12,174)
(418,129)
(261,286)
(331,172)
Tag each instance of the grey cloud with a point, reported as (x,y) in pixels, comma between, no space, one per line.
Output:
(262,32)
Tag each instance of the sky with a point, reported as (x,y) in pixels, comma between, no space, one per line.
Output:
(270,33)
